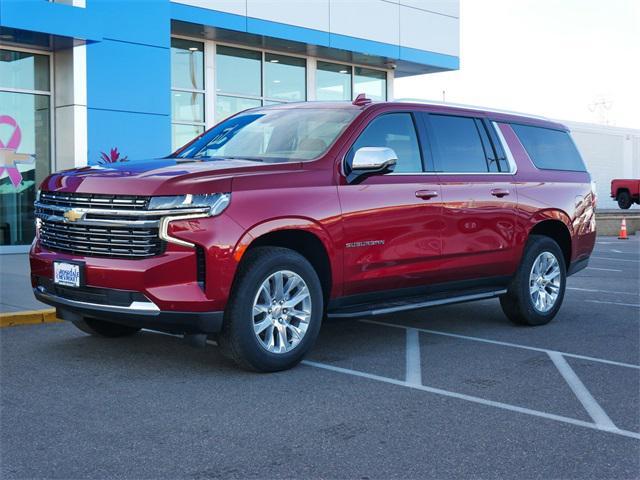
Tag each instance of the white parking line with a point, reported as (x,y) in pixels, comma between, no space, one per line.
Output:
(635,305)
(471,398)
(414,362)
(603,269)
(506,344)
(615,259)
(613,250)
(589,403)
(602,291)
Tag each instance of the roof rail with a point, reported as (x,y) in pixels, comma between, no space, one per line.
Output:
(470,107)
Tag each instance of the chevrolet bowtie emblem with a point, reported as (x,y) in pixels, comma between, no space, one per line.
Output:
(72,215)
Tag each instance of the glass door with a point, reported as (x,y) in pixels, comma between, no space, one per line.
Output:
(25,141)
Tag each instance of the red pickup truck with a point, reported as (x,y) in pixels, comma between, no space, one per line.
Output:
(626,191)
(283,215)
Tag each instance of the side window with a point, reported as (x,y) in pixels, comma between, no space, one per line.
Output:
(459,148)
(396,131)
(549,149)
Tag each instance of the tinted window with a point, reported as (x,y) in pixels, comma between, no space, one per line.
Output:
(549,149)
(458,145)
(395,131)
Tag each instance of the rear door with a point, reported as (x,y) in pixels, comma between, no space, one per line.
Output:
(479,198)
(391,222)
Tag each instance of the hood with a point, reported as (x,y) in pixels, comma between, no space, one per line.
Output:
(164,176)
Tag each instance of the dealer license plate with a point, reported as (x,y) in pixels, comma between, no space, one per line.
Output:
(67,274)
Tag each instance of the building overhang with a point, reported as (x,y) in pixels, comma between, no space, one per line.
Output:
(208,24)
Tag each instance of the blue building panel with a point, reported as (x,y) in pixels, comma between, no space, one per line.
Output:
(145,22)
(51,18)
(128,77)
(135,135)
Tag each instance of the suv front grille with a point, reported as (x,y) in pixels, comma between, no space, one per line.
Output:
(95,200)
(100,241)
(117,226)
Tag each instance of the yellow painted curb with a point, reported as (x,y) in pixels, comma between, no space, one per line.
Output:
(29,317)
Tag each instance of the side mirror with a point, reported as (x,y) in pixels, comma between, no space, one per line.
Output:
(369,161)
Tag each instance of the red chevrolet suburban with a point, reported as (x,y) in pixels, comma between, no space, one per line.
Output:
(281,216)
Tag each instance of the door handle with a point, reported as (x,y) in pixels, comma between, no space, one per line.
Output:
(499,192)
(426,194)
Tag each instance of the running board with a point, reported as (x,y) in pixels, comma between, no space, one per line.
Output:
(413,303)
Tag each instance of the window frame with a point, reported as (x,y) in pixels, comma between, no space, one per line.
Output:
(346,160)
(205,113)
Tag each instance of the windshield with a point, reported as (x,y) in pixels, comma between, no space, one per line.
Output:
(272,135)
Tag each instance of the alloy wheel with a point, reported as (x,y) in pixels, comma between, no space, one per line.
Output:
(281,311)
(544,282)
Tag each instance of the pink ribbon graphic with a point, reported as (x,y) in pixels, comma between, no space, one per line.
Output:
(8,155)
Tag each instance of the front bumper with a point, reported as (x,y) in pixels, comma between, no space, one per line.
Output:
(124,307)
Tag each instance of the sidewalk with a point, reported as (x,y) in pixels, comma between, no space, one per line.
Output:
(15,287)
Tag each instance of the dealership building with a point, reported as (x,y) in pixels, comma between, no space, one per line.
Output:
(85,81)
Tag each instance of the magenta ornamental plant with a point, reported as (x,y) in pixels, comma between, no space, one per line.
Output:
(113,157)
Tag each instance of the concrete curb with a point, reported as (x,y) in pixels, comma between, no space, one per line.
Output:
(28,317)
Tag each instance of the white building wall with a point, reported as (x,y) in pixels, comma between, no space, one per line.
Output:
(430,25)
(609,152)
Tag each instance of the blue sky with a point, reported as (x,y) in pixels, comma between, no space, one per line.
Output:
(557,58)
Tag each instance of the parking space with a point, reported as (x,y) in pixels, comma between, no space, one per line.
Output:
(448,392)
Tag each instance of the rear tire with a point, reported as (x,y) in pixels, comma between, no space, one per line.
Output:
(624,200)
(536,291)
(100,328)
(264,329)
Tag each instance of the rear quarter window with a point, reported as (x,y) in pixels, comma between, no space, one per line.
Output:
(549,149)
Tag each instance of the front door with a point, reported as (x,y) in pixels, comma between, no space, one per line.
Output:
(391,222)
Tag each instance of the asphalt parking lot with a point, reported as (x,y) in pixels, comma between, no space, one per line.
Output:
(448,392)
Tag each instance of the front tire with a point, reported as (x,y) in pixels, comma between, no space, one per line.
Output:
(100,328)
(537,290)
(624,200)
(274,314)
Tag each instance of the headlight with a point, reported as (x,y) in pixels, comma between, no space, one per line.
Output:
(216,202)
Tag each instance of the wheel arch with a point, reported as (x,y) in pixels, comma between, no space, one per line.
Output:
(620,190)
(303,236)
(557,230)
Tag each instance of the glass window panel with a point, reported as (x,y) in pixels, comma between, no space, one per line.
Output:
(182,134)
(25,136)
(373,83)
(285,77)
(333,82)
(227,106)
(187,64)
(238,71)
(549,149)
(274,134)
(459,148)
(395,131)
(28,71)
(187,107)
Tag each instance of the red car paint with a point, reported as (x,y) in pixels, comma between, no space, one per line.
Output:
(463,233)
